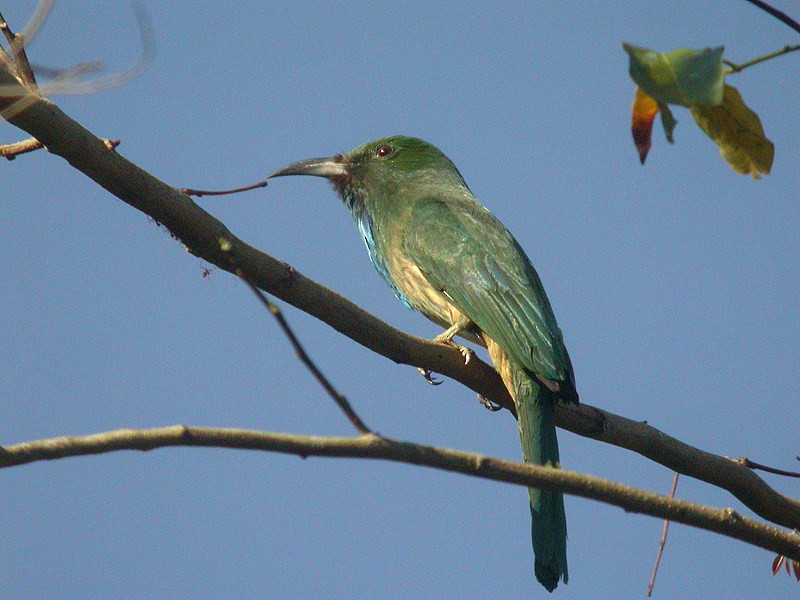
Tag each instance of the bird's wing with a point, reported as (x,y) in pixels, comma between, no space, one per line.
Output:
(466,253)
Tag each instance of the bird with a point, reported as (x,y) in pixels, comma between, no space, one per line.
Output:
(446,256)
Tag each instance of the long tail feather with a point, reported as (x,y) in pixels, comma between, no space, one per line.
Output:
(537,430)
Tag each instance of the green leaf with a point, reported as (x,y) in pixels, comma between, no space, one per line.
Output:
(684,76)
(668,121)
(737,131)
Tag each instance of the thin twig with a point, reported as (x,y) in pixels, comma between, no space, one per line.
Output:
(11,151)
(67,81)
(198,193)
(21,68)
(43,8)
(15,63)
(340,399)
(734,68)
(71,87)
(746,462)
(71,73)
(780,15)
(663,541)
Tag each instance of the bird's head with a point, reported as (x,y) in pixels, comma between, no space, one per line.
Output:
(381,169)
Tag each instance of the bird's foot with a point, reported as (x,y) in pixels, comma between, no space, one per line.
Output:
(456,328)
(488,404)
(467,353)
(428,375)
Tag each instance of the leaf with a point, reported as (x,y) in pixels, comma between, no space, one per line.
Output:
(668,122)
(696,79)
(644,112)
(683,76)
(737,131)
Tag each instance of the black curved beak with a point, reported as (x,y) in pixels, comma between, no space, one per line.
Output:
(330,168)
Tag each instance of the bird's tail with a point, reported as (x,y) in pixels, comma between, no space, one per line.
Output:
(536,418)
(537,430)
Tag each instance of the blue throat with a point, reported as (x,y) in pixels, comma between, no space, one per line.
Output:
(364,223)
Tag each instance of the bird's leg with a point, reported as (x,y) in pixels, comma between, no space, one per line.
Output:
(447,338)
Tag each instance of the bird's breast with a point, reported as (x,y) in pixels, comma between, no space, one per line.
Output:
(418,292)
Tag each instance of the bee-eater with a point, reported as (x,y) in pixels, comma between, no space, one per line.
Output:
(444,254)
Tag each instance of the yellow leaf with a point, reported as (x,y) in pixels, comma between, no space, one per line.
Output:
(737,131)
(644,111)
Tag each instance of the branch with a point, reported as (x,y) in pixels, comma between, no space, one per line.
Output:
(342,402)
(11,151)
(42,11)
(723,521)
(778,14)
(201,232)
(663,541)
(67,81)
(746,462)
(734,68)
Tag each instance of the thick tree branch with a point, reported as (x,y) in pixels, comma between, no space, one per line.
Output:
(370,446)
(201,232)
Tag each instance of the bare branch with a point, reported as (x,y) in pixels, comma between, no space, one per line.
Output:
(736,68)
(370,446)
(663,542)
(200,232)
(67,82)
(778,14)
(70,86)
(299,351)
(38,19)
(72,72)
(17,63)
(746,462)
(11,151)
(198,193)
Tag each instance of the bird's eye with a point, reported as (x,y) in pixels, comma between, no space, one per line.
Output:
(384,151)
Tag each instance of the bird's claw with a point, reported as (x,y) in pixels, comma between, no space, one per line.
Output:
(488,404)
(467,353)
(428,375)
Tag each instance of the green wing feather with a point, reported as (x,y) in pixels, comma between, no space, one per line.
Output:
(465,252)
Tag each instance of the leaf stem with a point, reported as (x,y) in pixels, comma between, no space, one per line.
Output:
(734,68)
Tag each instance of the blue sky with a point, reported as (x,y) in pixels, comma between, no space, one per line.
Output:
(676,285)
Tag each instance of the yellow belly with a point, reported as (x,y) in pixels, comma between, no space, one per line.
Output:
(422,295)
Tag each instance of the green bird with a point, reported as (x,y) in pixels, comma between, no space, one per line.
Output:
(445,255)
